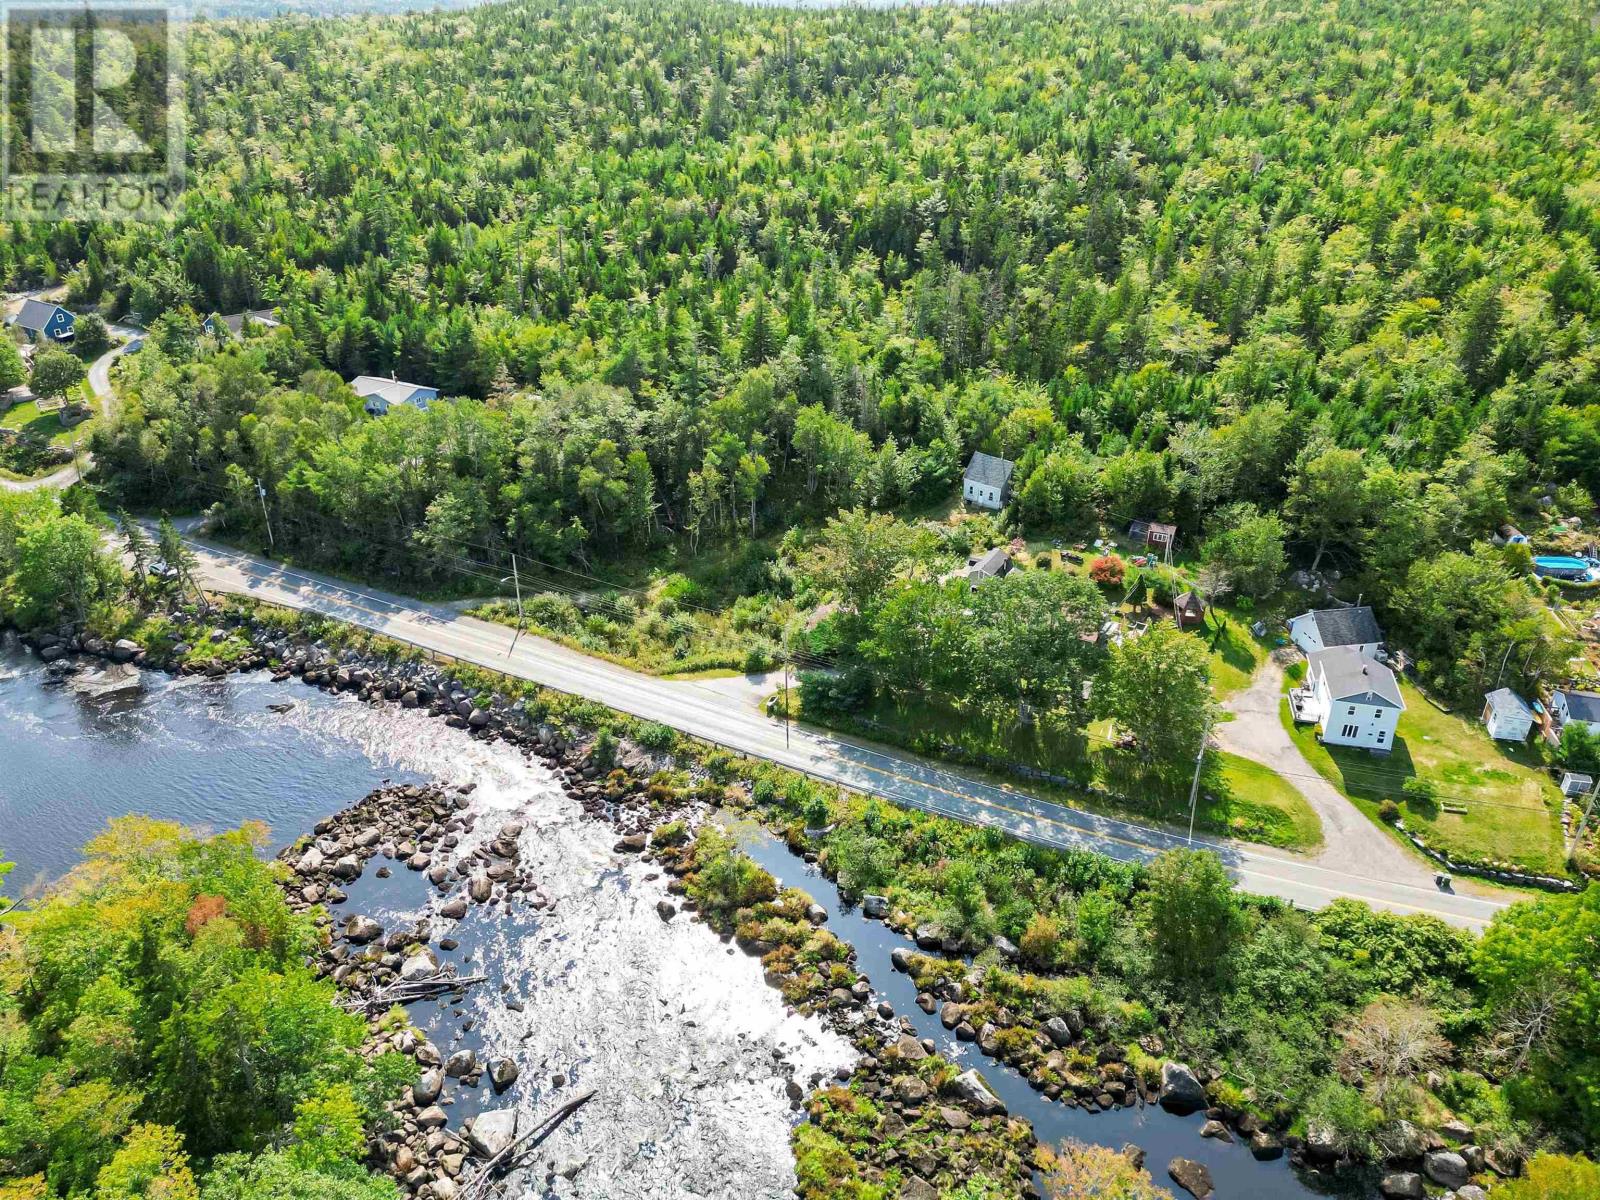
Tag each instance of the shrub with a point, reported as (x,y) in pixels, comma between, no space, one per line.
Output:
(604,752)
(1422,795)
(1043,560)
(1107,569)
(1041,941)
(673,833)
(1388,811)
(654,736)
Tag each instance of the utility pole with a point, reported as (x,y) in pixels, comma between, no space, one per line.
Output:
(515,578)
(786,703)
(1194,788)
(261,493)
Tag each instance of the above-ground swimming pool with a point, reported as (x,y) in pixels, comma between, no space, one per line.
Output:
(1563,566)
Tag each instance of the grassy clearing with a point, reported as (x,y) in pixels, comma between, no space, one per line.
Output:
(669,630)
(1496,804)
(1239,799)
(1236,653)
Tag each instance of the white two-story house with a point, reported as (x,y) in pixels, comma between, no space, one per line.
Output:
(1356,700)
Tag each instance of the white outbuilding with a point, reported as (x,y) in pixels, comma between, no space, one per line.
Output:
(987,482)
(1508,717)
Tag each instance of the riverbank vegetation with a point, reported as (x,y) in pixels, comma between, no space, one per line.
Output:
(1287,1015)
(162,1036)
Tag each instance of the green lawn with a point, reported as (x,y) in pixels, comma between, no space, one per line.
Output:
(1496,806)
(1254,802)
(1236,653)
(26,418)
(1239,799)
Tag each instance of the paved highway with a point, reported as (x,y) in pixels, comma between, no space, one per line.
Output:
(711,712)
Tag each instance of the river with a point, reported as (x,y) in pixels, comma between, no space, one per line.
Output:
(688,1049)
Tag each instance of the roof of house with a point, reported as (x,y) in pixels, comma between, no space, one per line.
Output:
(390,391)
(995,562)
(988,471)
(1350,675)
(1345,626)
(265,317)
(1188,602)
(1507,703)
(1581,706)
(36,315)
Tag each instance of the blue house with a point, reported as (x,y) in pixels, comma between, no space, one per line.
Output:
(379,395)
(38,319)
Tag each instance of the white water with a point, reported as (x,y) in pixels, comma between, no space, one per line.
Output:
(676,1031)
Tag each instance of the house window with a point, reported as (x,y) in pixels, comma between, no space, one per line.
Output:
(1350,731)
(1352,711)
(1382,734)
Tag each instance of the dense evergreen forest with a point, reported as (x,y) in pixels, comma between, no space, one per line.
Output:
(705,271)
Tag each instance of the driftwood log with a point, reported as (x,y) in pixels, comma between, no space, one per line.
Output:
(507,1159)
(408,992)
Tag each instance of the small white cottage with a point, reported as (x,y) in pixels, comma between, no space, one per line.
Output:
(1355,699)
(1508,717)
(987,482)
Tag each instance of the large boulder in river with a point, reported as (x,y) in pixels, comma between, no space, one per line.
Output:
(361,930)
(876,907)
(462,1062)
(1191,1176)
(1402,1185)
(1180,1091)
(124,650)
(493,1131)
(421,965)
(427,1088)
(969,1086)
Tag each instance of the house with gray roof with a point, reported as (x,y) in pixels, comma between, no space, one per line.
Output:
(1508,717)
(987,482)
(1325,628)
(1569,705)
(233,325)
(40,320)
(379,395)
(1355,700)
(992,564)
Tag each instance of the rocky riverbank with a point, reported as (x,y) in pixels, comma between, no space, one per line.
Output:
(912,1121)
(935,1121)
